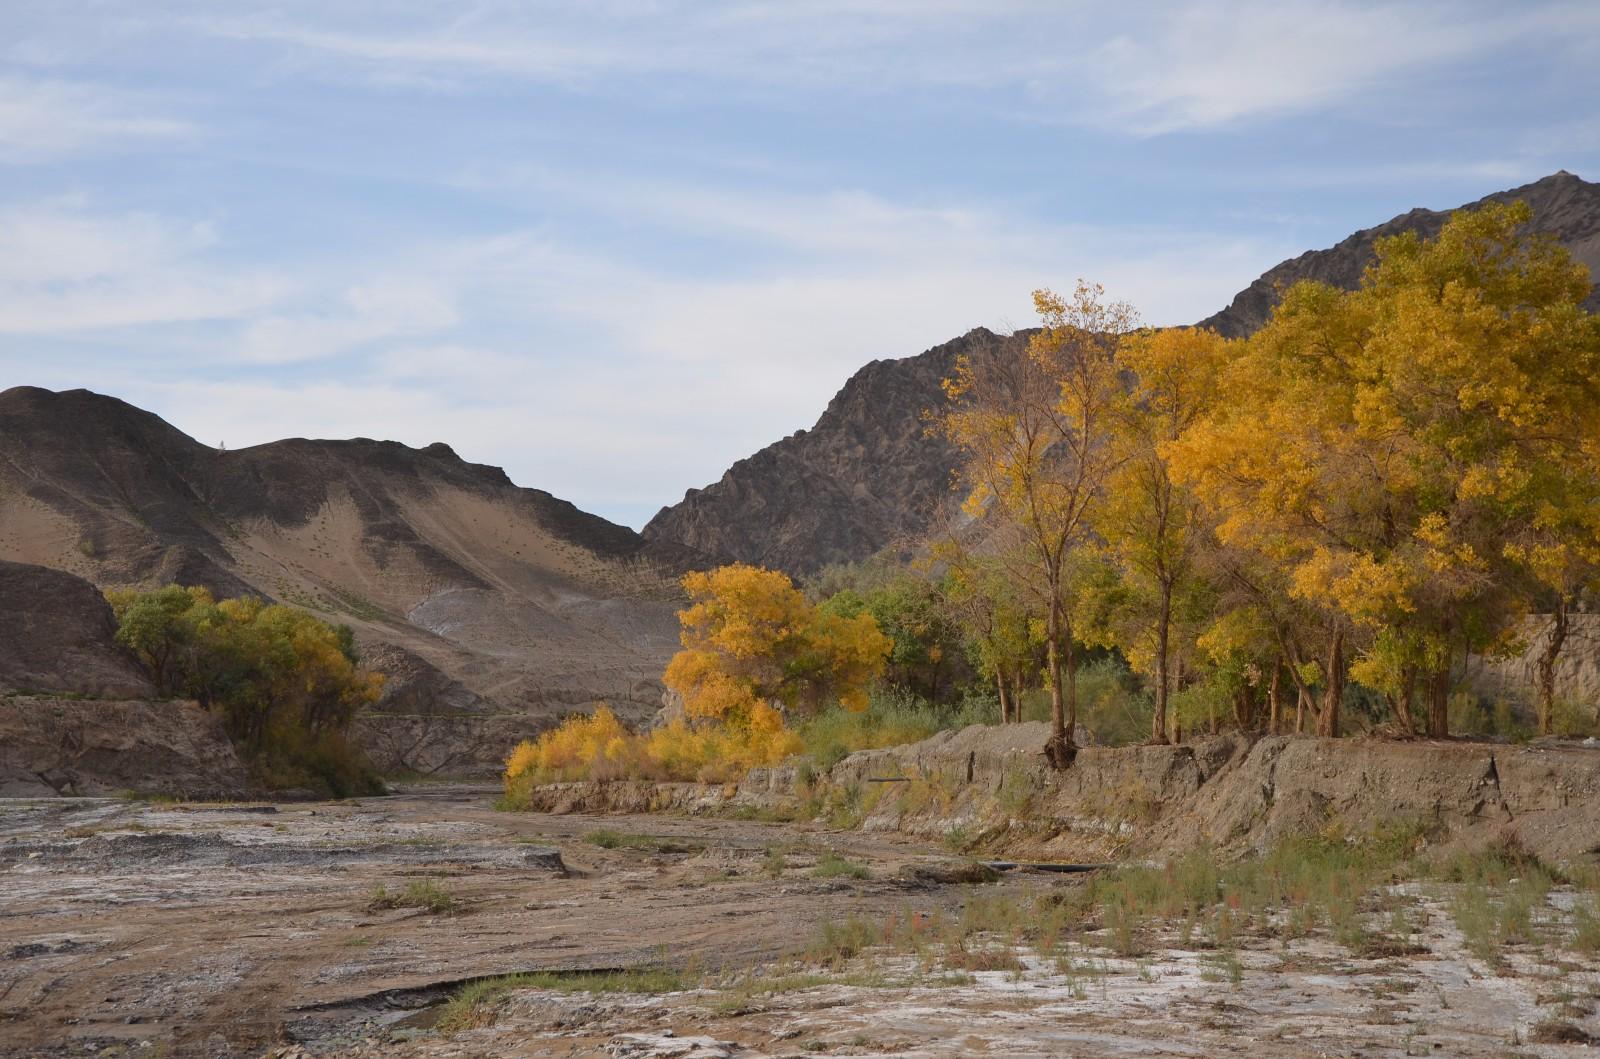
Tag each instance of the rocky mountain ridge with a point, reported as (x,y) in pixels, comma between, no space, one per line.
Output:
(868,475)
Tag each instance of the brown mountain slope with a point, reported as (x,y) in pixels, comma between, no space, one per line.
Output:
(867,475)
(472,592)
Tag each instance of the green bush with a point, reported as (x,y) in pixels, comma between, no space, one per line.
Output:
(285,683)
(893,717)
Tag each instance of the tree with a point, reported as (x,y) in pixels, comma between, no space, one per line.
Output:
(1034,433)
(750,639)
(286,683)
(1384,449)
(925,653)
(998,627)
(1152,526)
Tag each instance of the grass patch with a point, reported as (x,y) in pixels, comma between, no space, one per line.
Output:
(474,1004)
(833,866)
(424,894)
(606,838)
(893,717)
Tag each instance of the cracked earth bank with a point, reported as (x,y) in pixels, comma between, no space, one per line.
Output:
(141,930)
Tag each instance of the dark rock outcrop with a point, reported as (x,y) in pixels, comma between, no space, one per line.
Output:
(57,636)
(58,746)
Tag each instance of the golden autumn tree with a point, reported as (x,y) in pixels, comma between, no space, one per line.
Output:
(752,642)
(1034,432)
(1387,450)
(1150,524)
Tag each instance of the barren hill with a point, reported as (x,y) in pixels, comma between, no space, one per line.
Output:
(867,474)
(471,592)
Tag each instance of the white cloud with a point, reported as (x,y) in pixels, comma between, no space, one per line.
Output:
(1212,64)
(46,120)
(67,268)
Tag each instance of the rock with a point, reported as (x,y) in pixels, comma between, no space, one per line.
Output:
(1563,205)
(951,873)
(545,858)
(61,746)
(666,1045)
(866,475)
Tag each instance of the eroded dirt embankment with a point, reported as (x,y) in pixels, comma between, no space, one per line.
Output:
(991,786)
(51,746)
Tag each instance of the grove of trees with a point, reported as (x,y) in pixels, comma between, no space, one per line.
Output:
(286,683)
(1374,486)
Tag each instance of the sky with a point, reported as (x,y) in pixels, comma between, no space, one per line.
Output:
(614,245)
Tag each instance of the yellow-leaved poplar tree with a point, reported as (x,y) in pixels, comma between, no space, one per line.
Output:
(1153,526)
(752,643)
(1034,434)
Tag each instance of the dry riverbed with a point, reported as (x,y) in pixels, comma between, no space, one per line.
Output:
(360,928)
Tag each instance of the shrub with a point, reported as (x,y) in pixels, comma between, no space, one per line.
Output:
(892,717)
(425,894)
(600,747)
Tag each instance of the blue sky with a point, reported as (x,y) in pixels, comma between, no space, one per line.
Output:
(614,245)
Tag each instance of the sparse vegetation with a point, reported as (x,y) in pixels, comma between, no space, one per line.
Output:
(473,1004)
(607,838)
(423,894)
(832,866)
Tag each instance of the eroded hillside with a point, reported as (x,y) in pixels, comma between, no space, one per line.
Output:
(472,593)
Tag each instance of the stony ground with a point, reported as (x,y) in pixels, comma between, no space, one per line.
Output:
(133,929)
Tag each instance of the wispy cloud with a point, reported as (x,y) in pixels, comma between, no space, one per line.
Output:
(66,268)
(46,120)
(1144,70)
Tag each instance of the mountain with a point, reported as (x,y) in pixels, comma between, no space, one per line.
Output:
(867,474)
(470,592)
(1563,205)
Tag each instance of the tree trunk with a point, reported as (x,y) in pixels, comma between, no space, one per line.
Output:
(1402,702)
(1333,693)
(1546,667)
(1059,749)
(1275,700)
(1244,707)
(1000,682)
(1158,726)
(1439,703)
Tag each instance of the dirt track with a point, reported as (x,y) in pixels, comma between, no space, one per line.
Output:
(218,930)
